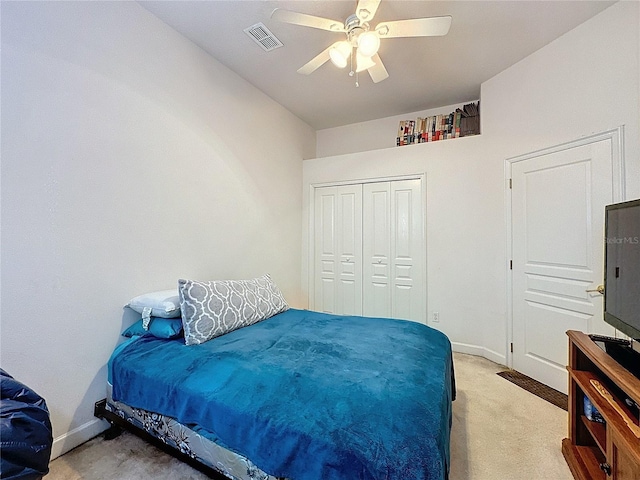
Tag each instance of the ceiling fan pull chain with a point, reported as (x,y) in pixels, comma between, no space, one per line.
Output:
(351,72)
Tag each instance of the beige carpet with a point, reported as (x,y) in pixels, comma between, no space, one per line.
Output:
(500,432)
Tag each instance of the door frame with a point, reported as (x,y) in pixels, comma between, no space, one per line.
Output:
(616,136)
(422,176)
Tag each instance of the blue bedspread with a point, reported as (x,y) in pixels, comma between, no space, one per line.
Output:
(305,395)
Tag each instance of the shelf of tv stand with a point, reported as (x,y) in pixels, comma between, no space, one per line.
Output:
(598,432)
(586,461)
(591,446)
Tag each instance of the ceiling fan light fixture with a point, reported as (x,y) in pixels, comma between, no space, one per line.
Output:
(339,54)
(368,44)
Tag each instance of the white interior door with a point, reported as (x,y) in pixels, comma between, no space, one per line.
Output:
(557,222)
(377,249)
(408,251)
(326,248)
(369,250)
(350,250)
(394,250)
(338,249)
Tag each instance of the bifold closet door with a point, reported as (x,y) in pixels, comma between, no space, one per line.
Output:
(393,250)
(338,249)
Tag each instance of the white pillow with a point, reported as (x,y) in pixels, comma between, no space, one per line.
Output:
(165,304)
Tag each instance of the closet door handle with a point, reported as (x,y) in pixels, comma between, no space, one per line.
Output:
(599,289)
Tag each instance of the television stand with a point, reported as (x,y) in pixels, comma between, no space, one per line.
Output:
(609,450)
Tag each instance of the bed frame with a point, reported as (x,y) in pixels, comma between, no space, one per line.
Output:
(118,424)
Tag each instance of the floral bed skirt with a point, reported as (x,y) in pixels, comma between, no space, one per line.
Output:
(189,442)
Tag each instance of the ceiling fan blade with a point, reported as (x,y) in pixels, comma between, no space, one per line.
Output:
(317,61)
(378,72)
(305,20)
(363,63)
(366,9)
(416,27)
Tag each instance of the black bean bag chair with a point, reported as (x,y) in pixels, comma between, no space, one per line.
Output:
(25,431)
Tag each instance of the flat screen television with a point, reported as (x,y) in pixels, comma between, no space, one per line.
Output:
(622,267)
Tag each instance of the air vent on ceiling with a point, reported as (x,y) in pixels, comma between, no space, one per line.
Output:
(263,37)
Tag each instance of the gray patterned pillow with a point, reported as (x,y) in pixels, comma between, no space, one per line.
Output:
(211,309)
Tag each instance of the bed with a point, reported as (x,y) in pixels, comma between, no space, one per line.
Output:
(301,395)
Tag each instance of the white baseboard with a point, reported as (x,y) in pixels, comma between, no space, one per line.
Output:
(77,436)
(495,357)
(479,352)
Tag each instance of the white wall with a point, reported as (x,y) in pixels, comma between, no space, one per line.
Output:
(371,135)
(585,82)
(461,235)
(130,158)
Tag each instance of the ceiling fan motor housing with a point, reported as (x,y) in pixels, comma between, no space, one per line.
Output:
(355,28)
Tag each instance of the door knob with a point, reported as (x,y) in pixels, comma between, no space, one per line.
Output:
(599,289)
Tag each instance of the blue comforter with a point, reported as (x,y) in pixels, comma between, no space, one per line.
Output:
(305,395)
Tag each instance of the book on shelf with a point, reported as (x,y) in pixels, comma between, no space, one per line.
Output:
(462,122)
(406,132)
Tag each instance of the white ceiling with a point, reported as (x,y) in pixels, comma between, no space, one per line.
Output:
(425,72)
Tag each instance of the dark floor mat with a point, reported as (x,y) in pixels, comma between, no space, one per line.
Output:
(539,389)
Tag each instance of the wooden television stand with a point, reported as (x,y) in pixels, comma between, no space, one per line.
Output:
(609,450)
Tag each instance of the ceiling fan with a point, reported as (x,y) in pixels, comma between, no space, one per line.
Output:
(362,40)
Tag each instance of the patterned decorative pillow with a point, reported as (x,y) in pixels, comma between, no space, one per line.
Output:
(211,309)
